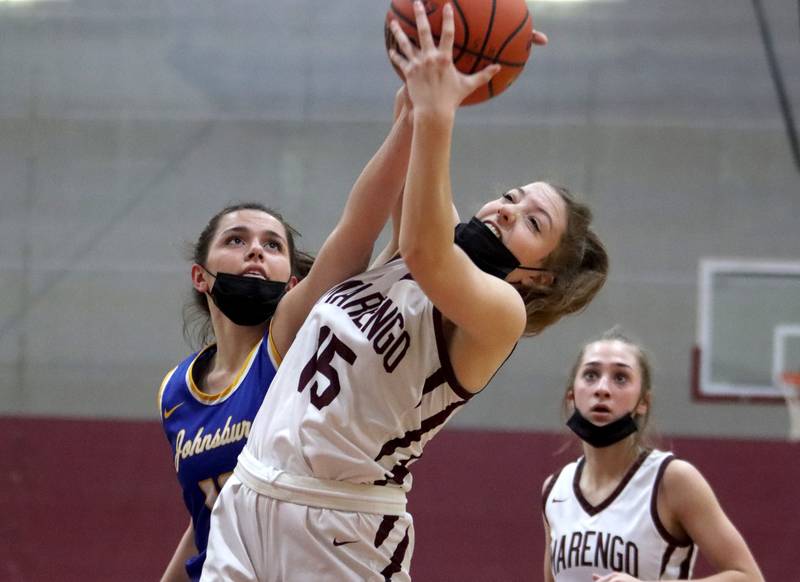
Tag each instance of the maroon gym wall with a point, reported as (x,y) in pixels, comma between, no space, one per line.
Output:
(97,500)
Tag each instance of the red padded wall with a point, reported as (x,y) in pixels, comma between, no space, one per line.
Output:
(97,500)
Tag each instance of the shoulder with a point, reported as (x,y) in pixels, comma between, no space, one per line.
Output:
(684,488)
(164,388)
(174,382)
(679,473)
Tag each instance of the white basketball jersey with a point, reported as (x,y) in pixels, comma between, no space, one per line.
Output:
(621,534)
(366,384)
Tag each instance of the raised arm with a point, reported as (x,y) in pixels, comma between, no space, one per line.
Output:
(348,248)
(462,292)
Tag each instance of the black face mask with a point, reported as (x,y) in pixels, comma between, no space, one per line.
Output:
(602,436)
(486,250)
(246,300)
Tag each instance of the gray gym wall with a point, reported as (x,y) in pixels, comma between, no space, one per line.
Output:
(125,126)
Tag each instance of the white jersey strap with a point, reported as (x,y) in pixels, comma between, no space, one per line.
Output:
(303,490)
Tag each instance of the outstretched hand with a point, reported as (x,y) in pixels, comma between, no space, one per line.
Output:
(433,81)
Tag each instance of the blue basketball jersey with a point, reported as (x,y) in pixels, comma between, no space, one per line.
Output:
(207,432)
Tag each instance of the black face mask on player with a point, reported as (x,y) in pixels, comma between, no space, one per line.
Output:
(246,300)
(486,250)
(602,436)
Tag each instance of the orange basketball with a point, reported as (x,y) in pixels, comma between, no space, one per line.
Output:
(486,32)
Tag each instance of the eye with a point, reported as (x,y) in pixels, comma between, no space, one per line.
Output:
(274,245)
(235,240)
(508,197)
(535,224)
(589,375)
(621,379)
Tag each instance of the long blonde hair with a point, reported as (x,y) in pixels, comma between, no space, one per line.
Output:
(580,267)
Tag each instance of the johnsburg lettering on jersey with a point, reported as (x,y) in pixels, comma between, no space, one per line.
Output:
(231,433)
(377,317)
(595,549)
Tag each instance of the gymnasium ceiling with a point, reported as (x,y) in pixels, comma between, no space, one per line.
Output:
(659,62)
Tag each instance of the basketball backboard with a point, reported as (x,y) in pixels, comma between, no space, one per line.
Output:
(748,316)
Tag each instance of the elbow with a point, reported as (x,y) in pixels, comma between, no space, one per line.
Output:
(416,259)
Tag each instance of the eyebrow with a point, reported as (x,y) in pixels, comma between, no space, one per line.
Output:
(239,228)
(618,364)
(538,207)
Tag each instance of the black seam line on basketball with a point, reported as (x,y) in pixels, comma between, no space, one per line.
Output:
(465,24)
(481,56)
(505,44)
(513,34)
(464,49)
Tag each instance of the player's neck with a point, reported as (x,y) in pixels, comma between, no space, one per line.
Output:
(610,463)
(234,344)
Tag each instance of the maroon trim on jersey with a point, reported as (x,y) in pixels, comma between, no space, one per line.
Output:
(398,472)
(432,382)
(413,436)
(385,528)
(668,537)
(396,561)
(548,490)
(665,559)
(444,358)
(686,565)
(592,509)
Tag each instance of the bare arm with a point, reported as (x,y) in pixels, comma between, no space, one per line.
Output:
(692,508)
(176,569)
(462,292)
(349,246)
(689,496)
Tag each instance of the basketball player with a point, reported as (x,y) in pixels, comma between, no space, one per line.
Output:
(625,512)
(386,356)
(244,261)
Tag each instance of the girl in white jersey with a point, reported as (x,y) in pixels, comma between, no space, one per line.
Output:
(624,512)
(386,356)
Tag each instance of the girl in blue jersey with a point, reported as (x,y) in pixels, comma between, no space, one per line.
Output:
(244,261)
(625,512)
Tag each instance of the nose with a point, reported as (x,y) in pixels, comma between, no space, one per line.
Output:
(256,251)
(507,214)
(601,388)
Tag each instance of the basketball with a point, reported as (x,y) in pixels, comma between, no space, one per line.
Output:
(486,32)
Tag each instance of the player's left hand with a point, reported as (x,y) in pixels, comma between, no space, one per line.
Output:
(434,83)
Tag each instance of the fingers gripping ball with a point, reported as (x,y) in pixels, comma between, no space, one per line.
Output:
(486,32)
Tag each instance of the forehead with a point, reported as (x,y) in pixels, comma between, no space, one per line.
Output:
(611,352)
(545,196)
(255,220)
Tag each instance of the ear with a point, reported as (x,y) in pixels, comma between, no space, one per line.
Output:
(291,282)
(538,278)
(201,279)
(643,406)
